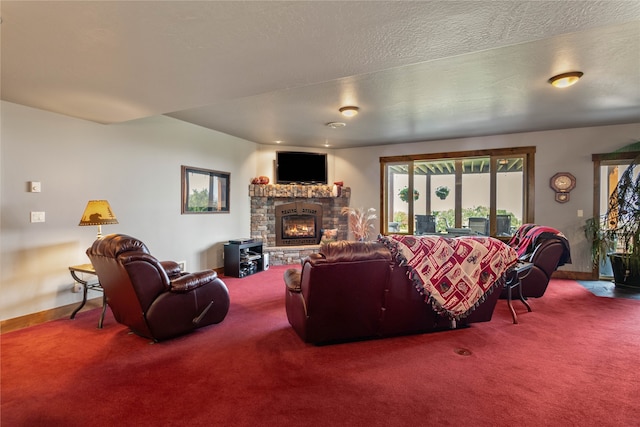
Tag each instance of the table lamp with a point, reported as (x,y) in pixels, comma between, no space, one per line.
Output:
(98,212)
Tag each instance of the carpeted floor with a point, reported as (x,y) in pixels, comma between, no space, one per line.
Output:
(572,361)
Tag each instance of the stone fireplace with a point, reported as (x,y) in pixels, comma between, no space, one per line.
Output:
(289,219)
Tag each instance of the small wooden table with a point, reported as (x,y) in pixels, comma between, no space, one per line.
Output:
(514,280)
(87,269)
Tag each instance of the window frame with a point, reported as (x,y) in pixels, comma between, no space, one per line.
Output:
(220,179)
(528,153)
(605,159)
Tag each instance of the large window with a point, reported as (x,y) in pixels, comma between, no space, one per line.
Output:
(485,192)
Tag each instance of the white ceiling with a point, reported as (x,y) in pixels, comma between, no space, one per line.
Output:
(279,70)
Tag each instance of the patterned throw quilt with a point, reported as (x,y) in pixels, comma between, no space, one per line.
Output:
(454,274)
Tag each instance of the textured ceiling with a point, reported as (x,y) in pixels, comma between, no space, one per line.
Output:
(267,71)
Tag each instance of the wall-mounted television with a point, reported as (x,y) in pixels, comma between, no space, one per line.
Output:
(293,167)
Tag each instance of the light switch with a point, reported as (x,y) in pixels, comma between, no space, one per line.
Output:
(37,216)
(35,187)
(580,213)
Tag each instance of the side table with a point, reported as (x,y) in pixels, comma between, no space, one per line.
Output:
(514,280)
(87,269)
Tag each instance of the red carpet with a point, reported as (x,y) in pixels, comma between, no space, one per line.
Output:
(572,361)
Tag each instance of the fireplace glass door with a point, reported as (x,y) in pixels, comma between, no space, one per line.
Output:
(298,226)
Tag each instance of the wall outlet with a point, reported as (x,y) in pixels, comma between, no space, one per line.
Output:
(183,265)
(77,288)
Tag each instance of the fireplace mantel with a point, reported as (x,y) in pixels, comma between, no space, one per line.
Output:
(264,198)
(298,191)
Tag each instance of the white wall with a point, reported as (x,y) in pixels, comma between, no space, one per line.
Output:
(566,150)
(266,157)
(136,167)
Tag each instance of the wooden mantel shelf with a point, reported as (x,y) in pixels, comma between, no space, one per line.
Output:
(299,191)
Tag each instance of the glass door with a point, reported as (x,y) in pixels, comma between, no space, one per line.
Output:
(608,168)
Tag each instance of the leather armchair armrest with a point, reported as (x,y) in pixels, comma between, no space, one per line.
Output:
(192,281)
(292,279)
(314,258)
(172,268)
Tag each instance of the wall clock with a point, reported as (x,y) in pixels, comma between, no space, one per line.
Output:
(562,183)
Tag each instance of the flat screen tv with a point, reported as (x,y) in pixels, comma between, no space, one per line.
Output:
(294,167)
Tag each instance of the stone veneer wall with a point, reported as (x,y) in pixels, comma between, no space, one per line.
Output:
(264,198)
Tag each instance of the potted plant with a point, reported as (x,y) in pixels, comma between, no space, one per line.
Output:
(360,221)
(442,192)
(404,194)
(600,246)
(619,228)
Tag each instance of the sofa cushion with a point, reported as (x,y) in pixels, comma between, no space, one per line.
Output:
(345,251)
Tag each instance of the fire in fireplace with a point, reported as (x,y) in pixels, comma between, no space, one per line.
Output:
(298,224)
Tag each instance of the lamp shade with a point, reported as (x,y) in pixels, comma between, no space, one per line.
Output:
(98,212)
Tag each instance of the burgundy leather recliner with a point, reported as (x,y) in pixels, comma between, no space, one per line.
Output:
(155,299)
(354,290)
(547,249)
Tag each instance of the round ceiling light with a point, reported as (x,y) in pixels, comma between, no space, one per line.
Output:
(336,125)
(349,111)
(565,79)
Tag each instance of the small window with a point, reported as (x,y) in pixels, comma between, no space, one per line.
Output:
(204,191)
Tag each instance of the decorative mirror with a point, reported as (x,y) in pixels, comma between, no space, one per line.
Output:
(205,191)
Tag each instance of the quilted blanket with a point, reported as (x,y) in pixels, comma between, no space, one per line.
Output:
(454,274)
(528,236)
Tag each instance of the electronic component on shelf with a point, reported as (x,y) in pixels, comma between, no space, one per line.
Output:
(241,241)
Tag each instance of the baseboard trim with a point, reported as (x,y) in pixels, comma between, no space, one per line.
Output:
(573,275)
(46,315)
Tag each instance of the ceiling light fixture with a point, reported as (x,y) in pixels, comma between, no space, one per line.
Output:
(565,79)
(349,111)
(336,125)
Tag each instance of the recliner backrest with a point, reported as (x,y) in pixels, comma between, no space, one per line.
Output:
(343,287)
(131,278)
(113,245)
(147,276)
(344,250)
(546,256)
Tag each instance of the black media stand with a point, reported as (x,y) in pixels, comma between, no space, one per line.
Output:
(243,259)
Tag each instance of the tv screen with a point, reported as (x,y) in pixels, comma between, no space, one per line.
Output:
(301,168)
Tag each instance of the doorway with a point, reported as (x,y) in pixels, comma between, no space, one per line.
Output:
(607,170)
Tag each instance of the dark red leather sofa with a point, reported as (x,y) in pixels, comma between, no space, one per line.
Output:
(355,290)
